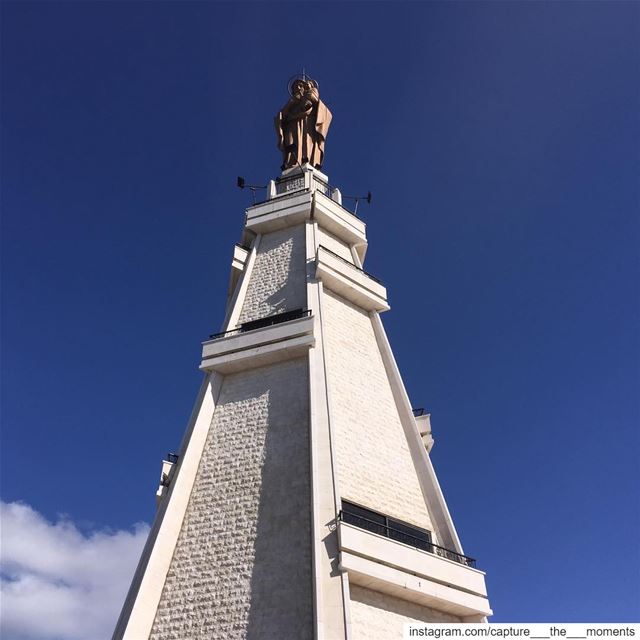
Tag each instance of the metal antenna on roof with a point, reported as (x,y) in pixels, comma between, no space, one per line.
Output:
(366,198)
(241,183)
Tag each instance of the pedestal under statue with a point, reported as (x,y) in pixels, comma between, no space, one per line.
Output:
(302,125)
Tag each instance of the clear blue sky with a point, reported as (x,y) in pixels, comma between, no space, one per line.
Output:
(501,143)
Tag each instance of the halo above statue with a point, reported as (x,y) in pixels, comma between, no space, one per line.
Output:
(304,78)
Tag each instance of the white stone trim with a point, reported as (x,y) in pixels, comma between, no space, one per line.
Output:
(358,259)
(331,610)
(336,487)
(340,222)
(238,260)
(351,283)
(238,342)
(279,213)
(415,561)
(235,306)
(423,423)
(139,610)
(166,475)
(259,356)
(403,585)
(317,414)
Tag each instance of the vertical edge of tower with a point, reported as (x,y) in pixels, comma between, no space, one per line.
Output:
(330,584)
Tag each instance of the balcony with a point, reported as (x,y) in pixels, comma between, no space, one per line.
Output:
(423,422)
(403,562)
(350,282)
(411,536)
(278,337)
(340,222)
(267,321)
(281,212)
(166,476)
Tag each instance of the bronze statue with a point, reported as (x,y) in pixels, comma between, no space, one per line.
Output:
(302,125)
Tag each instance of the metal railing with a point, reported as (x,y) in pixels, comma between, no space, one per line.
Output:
(323,187)
(351,264)
(294,183)
(267,321)
(407,538)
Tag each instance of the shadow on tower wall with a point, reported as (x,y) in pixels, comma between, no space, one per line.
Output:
(281,583)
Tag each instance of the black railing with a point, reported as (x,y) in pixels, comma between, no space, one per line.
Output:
(351,264)
(323,187)
(407,538)
(418,412)
(268,321)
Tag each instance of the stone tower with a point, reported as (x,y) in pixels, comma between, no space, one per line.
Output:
(302,503)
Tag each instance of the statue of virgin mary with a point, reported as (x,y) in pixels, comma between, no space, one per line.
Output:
(302,125)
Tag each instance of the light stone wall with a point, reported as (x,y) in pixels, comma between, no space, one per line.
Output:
(277,281)
(374,465)
(242,564)
(335,244)
(378,616)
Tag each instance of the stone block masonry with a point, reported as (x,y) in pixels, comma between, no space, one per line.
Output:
(278,278)
(242,564)
(375,468)
(379,615)
(329,241)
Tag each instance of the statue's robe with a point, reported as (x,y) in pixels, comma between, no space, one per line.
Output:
(301,139)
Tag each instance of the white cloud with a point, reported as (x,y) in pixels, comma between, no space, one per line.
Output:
(58,583)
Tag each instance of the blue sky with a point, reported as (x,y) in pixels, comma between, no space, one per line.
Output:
(501,144)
